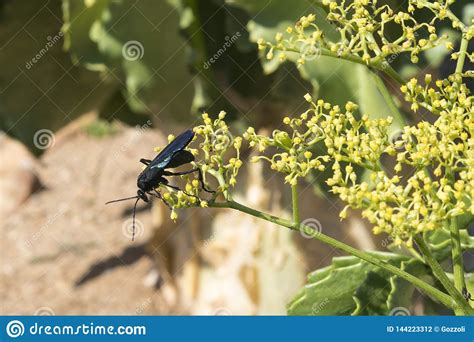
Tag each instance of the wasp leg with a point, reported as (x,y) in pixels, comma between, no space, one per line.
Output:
(158,195)
(200,177)
(145,161)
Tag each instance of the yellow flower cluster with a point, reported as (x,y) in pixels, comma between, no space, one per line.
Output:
(296,159)
(212,158)
(339,130)
(361,25)
(433,177)
(446,141)
(439,8)
(216,145)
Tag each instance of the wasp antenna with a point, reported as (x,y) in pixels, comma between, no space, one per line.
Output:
(122,199)
(133,218)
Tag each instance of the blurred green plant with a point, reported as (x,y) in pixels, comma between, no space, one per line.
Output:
(101,128)
(157,55)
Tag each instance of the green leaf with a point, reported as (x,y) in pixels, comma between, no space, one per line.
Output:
(40,87)
(371,295)
(352,286)
(465,220)
(275,16)
(468,13)
(385,294)
(107,34)
(78,20)
(335,80)
(330,292)
(401,290)
(440,242)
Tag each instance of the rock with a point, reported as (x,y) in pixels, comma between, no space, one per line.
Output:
(17,175)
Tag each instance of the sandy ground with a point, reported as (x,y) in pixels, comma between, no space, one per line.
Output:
(65,233)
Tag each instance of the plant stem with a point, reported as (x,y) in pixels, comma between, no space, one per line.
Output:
(458,268)
(462,306)
(295,203)
(456,289)
(370,258)
(462,56)
(388,99)
(380,65)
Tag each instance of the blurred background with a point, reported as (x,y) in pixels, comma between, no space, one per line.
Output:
(88,87)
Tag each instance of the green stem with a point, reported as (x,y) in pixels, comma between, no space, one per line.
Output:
(462,306)
(462,56)
(449,14)
(295,203)
(380,65)
(388,99)
(370,258)
(458,268)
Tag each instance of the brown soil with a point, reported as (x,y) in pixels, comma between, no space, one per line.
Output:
(64,232)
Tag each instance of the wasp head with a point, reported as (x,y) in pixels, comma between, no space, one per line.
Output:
(142,195)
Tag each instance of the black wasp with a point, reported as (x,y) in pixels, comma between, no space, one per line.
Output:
(173,155)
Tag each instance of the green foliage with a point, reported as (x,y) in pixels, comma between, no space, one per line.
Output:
(39,85)
(350,286)
(101,128)
(147,62)
(440,242)
(353,82)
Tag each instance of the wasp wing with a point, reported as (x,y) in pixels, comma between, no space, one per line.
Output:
(180,158)
(164,158)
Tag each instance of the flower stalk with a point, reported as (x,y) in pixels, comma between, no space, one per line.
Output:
(295,203)
(462,307)
(431,291)
(456,250)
